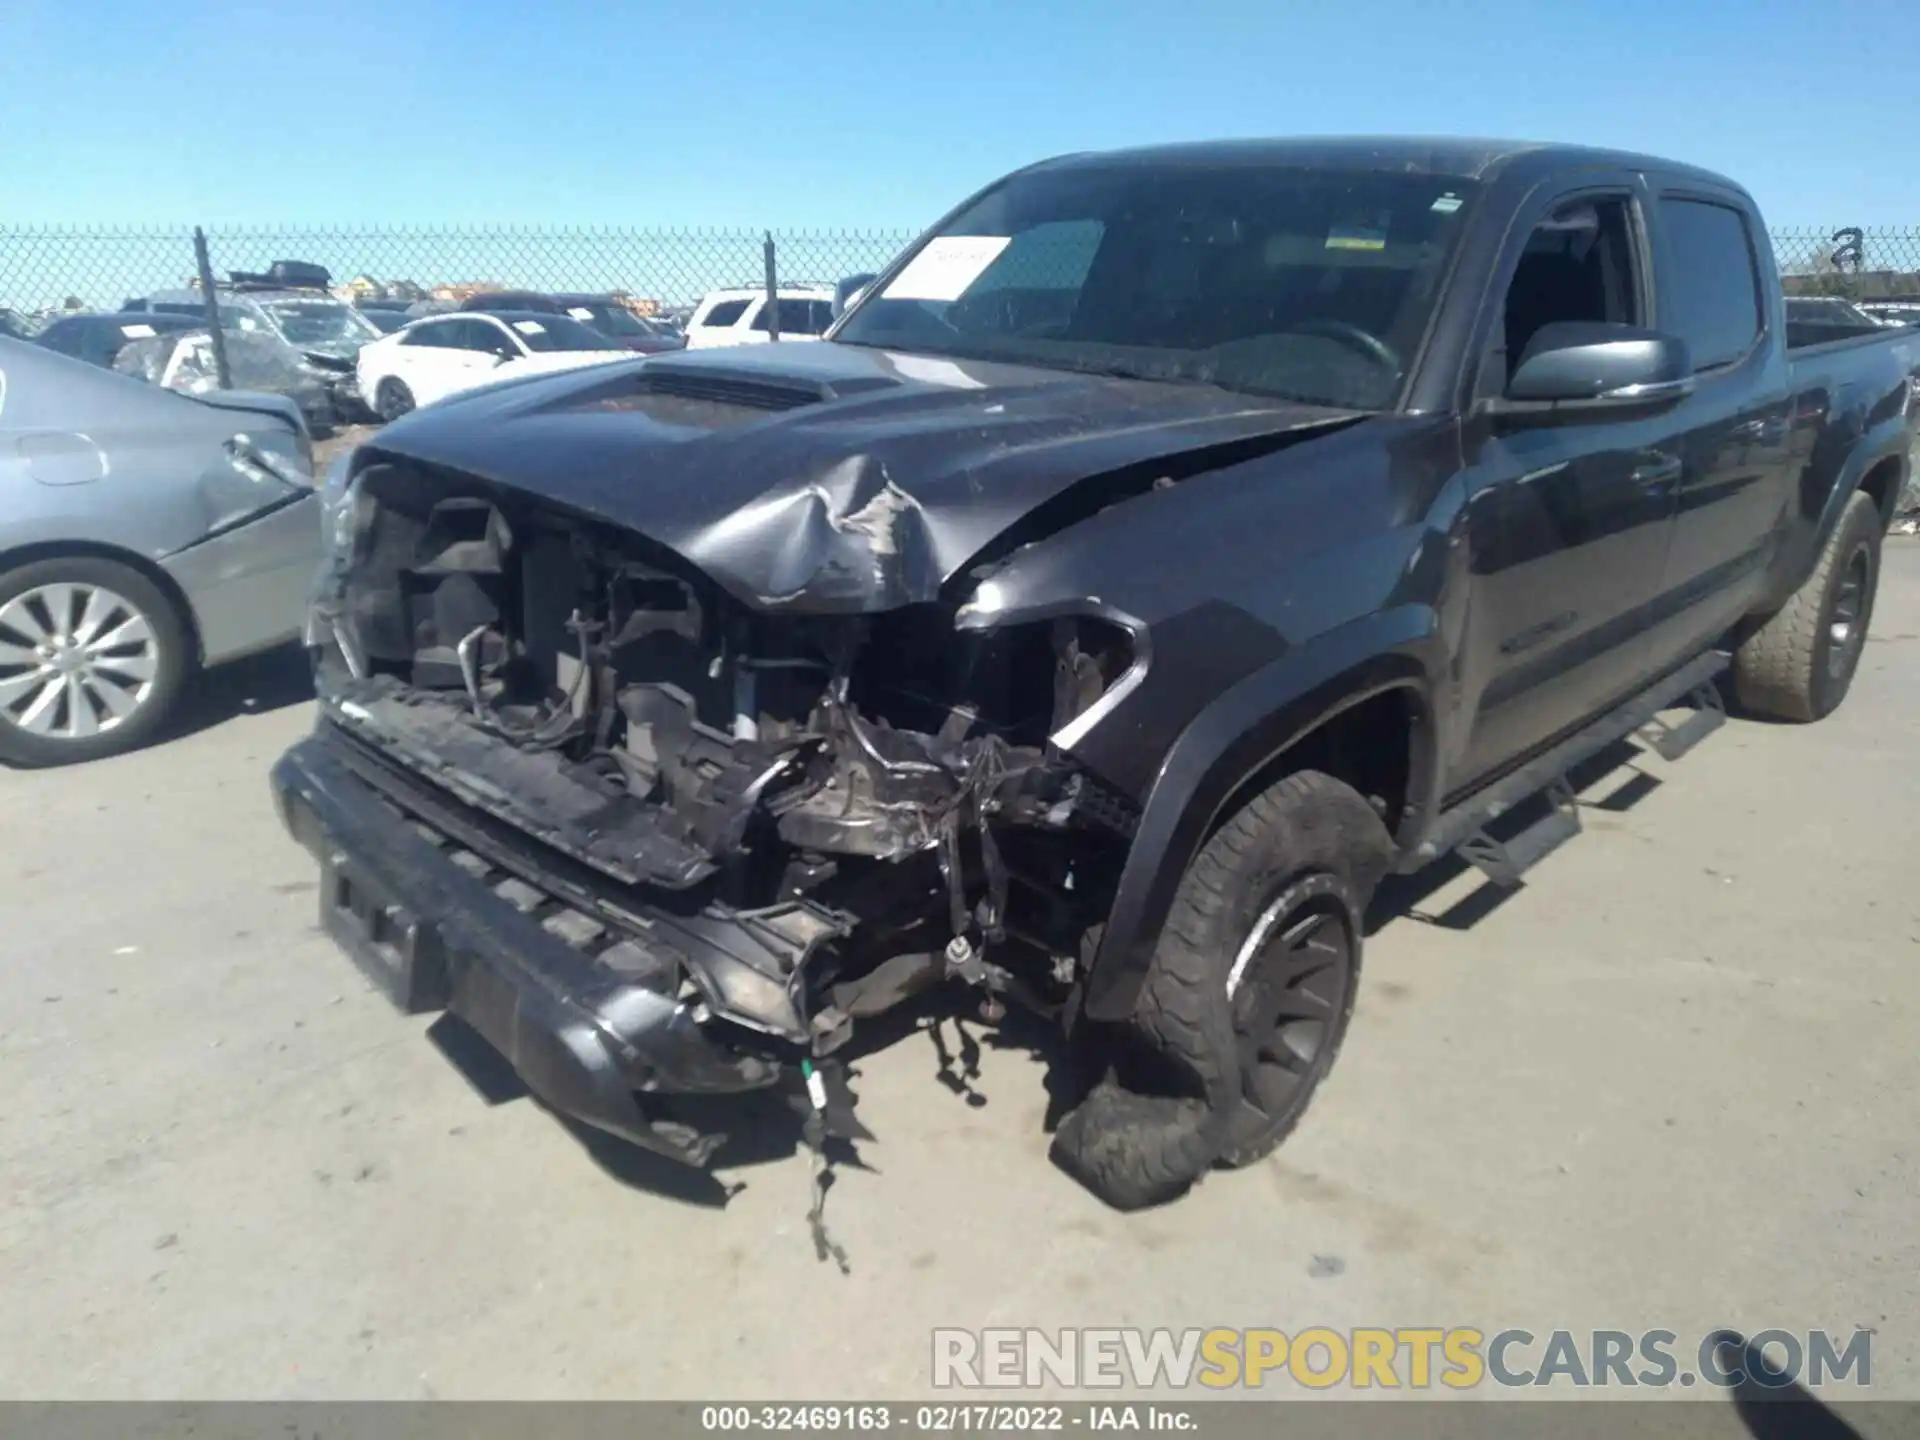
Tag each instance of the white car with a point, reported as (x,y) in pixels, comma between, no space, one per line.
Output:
(739,317)
(442,355)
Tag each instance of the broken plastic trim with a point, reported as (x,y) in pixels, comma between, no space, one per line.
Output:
(984,613)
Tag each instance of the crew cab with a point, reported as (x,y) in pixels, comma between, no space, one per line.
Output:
(1165,548)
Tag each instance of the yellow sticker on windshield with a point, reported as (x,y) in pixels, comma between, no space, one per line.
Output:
(1356,237)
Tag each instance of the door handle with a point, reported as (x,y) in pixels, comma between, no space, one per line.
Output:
(1767,432)
(1661,474)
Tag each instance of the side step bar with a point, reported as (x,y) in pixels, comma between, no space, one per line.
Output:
(1505,861)
(1463,827)
(1670,742)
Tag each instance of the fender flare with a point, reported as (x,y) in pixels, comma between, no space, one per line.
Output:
(1227,744)
(1886,441)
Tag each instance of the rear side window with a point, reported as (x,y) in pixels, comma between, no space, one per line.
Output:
(727,312)
(1712,294)
(62,337)
(799,317)
(481,336)
(438,336)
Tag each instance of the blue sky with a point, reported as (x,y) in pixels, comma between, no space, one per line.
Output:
(863,113)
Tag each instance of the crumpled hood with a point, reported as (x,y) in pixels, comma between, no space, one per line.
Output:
(331,355)
(832,478)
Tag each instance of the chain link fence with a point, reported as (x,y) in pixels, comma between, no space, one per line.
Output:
(1856,264)
(48,268)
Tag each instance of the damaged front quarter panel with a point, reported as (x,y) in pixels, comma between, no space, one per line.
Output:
(796,720)
(848,539)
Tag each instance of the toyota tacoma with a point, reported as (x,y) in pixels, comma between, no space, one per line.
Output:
(1164,549)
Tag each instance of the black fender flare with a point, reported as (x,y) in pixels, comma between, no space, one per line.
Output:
(1227,744)
(1886,441)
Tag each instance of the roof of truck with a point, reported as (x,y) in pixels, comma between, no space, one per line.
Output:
(1465,157)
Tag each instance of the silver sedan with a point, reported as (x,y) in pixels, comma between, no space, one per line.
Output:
(143,534)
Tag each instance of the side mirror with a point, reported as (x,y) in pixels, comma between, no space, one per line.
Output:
(848,291)
(1581,365)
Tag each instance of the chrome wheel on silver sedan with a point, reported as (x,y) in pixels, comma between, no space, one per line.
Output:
(91,654)
(75,660)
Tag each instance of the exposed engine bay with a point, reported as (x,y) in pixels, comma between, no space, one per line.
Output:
(823,816)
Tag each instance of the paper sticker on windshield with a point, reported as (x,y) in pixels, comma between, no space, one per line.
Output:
(946,268)
(1445,205)
(529,327)
(580,312)
(1365,236)
(137,332)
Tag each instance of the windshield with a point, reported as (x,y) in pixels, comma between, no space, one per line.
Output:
(320,322)
(557,332)
(1306,284)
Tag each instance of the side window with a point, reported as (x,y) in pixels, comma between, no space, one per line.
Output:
(1711,298)
(487,338)
(433,336)
(725,314)
(799,317)
(1578,265)
(64,338)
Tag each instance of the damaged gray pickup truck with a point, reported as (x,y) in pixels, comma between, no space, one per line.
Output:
(1163,550)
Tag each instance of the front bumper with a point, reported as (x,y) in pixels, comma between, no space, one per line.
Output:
(587,1039)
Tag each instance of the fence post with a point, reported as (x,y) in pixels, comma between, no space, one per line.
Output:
(773,293)
(212,302)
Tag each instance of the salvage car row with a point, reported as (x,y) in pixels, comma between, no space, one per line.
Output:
(149,530)
(284,333)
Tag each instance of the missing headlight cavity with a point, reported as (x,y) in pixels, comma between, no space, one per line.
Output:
(820,816)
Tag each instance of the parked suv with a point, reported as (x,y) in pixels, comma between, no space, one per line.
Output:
(739,317)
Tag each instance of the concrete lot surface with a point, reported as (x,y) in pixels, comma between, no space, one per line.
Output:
(1670,1084)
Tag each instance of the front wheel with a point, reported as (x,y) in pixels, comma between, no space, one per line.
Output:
(392,399)
(1801,663)
(1246,1001)
(92,657)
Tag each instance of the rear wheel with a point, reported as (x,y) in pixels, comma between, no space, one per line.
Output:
(92,658)
(392,399)
(1246,1001)
(1800,664)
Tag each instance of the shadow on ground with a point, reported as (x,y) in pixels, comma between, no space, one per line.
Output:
(257,685)
(766,1126)
(1406,896)
(1771,1403)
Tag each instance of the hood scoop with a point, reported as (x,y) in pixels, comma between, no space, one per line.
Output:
(711,399)
(737,390)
